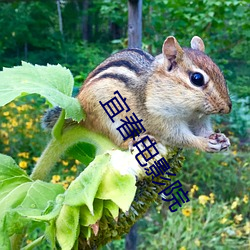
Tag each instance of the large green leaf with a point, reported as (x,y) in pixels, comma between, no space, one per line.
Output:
(21,197)
(83,189)
(6,186)
(39,194)
(67,226)
(83,152)
(103,181)
(9,168)
(112,208)
(118,188)
(86,218)
(53,82)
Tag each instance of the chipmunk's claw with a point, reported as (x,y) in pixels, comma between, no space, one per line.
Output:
(218,142)
(139,138)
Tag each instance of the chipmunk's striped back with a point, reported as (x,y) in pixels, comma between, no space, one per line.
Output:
(124,66)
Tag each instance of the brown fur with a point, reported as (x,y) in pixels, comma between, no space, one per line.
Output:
(159,91)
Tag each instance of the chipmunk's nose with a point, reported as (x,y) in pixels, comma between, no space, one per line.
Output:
(226,109)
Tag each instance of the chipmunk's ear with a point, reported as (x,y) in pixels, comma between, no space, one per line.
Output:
(171,49)
(197,43)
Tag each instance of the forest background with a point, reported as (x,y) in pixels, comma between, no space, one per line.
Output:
(79,34)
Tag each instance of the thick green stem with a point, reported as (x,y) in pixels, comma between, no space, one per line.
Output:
(57,147)
(54,150)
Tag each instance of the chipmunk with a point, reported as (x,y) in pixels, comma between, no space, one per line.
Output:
(173,93)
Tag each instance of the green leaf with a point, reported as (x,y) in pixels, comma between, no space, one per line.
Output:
(6,186)
(50,234)
(86,218)
(34,243)
(14,223)
(53,82)
(86,231)
(4,240)
(14,198)
(83,189)
(50,213)
(67,226)
(118,188)
(26,202)
(83,152)
(39,194)
(9,168)
(20,197)
(112,207)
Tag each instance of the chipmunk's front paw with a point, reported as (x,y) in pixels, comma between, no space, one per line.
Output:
(141,137)
(217,142)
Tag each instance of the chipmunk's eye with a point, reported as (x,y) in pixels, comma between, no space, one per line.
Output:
(197,79)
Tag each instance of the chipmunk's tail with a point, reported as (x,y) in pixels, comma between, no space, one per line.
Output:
(50,117)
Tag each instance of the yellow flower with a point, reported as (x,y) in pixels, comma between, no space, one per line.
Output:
(6,149)
(197,242)
(245,199)
(29,124)
(23,107)
(224,164)
(6,113)
(238,218)
(65,163)
(247,228)
(182,248)
(23,164)
(6,141)
(73,168)
(4,134)
(203,199)
(55,178)
(238,159)
(65,185)
(24,154)
(193,189)
(35,159)
(223,235)
(234,152)
(14,123)
(235,203)
(12,105)
(70,178)
(223,220)
(211,195)
(238,233)
(77,162)
(187,211)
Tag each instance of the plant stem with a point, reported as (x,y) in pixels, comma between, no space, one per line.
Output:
(57,147)
(16,240)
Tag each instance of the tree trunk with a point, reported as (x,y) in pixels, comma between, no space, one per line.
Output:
(135,23)
(26,51)
(85,20)
(59,16)
(131,238)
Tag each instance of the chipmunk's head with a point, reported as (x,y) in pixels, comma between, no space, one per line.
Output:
(193,79)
